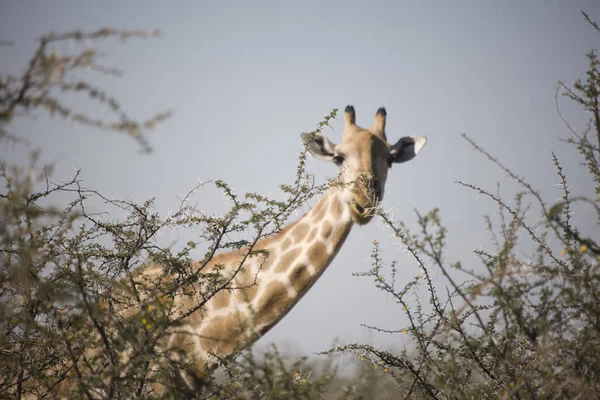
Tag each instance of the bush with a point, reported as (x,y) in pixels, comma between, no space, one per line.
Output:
(523,325)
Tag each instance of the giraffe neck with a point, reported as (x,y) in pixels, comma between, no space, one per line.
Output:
(298,257)
(268,286)
(265,287)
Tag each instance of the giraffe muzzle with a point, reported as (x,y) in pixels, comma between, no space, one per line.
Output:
(365,197)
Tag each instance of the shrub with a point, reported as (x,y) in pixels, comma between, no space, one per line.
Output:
(523,325)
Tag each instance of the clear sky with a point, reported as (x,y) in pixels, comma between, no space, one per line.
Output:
(246,78)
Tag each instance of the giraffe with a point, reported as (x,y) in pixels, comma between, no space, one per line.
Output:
(271,283)
(297,256)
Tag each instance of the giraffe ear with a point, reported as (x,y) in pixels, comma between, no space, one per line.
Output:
(407,148)
(319,146)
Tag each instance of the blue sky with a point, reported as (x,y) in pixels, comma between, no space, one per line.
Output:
(244,79)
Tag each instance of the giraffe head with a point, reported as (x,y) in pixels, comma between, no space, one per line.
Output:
(364,157)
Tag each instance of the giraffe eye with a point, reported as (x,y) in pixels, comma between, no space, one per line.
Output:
(338,160)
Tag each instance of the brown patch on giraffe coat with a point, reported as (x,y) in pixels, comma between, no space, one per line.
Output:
(300,279)
(299,232)
(221,299)
(286,244)
(336,209)
(224,334)
(317,254)
(287,259)
(326,229)
(275,298)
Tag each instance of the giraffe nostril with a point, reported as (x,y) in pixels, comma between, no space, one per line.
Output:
(375,186)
